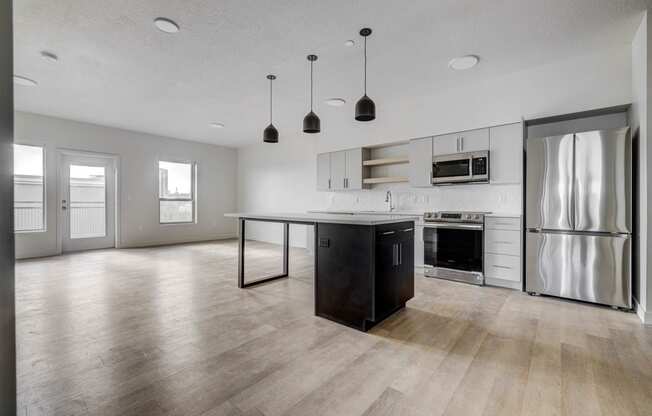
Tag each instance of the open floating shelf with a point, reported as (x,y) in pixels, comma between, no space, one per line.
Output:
(386,161)
(386,179)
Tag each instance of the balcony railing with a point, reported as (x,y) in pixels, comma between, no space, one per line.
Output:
(28,216)
(87,219)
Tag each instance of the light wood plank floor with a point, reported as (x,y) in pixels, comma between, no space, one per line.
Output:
(165,331)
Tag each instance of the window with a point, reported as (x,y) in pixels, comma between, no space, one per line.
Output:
(87,205)
(176,192)
(29,188)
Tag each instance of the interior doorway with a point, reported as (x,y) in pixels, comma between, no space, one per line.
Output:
(87,201)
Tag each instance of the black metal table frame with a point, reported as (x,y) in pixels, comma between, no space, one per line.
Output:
(286,251)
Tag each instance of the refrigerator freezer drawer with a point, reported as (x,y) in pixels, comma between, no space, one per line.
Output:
(588,267)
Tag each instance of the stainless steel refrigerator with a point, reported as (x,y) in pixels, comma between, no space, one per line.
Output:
(579,216)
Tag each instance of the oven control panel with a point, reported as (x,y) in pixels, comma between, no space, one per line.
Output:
(448,216)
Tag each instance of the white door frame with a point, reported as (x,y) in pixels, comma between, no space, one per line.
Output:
(61,154)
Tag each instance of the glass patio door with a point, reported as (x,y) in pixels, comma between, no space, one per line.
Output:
(87,203)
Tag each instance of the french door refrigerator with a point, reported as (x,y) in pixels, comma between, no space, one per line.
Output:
(579,216)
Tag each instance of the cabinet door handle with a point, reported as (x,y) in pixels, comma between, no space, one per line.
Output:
(496,266)
(400,253)
(388,232)
(329,184)
(458,144)
(503,223)
(462,143)
(407,230)
(394,254)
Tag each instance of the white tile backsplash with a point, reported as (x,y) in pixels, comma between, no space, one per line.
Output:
(481,197)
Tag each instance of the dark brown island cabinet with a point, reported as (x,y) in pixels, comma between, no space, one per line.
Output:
(364,264)
(364,273)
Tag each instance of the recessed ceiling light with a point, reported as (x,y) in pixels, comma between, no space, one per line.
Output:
(49,56)
(349,42)
(25,82)
(335,102)
(217,125)
(166,25)
(463,62)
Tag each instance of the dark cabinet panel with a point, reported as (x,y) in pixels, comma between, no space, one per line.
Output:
(406,278)
(387,272)
(363,273)
(344,273)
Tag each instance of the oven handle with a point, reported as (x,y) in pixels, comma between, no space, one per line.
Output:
(454,226)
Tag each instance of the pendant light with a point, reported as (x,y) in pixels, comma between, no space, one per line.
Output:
(365,109)
(270,135)
(311,123)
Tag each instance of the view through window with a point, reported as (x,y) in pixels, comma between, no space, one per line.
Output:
(176,192)
(87,201)
(29,188)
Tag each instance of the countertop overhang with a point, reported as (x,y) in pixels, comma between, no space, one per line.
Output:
(313,217)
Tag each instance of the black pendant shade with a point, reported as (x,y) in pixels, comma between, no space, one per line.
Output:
(311,122)
(365,108)
(270,135)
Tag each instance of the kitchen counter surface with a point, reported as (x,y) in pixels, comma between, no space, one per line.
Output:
(354,212)
(504,214)
(330,218)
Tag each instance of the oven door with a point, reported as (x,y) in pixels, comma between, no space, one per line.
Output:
(451,169)
(454,251)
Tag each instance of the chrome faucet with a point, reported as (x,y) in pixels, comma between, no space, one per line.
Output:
(388,200)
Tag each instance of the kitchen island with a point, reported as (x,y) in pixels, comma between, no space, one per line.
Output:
(364,264)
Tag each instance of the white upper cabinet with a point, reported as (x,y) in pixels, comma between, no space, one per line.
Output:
(353,169)
(474,140)
(324,172)
(446,144)
(420,169)
(506,154)
(338,170)
(465,141)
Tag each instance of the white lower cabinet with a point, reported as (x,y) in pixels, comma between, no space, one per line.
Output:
(503,251)
(503,267)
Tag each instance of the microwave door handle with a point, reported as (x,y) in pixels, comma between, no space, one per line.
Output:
(471,167)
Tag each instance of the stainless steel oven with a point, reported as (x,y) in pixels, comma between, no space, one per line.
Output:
(460,168)
(453,246)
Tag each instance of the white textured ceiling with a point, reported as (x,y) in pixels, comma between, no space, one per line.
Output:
(116,69)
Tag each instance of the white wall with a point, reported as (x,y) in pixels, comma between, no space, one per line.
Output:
(281,177)
(138,182)
(640,119)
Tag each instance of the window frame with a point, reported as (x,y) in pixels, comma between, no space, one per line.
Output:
(44,229)
(193,191)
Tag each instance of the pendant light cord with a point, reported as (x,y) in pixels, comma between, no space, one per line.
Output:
(311,62)
(270,101)
(365,65)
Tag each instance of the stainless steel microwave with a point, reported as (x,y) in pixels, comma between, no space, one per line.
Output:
(460,168)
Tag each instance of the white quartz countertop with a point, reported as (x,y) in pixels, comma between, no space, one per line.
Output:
(354,212)
(504,214)
(316,217)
